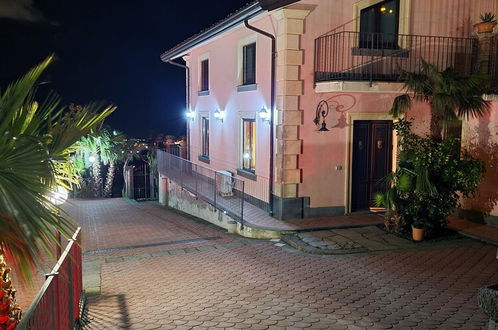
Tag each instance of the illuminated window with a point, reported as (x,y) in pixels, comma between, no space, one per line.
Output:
(205,75)
(205,136)
(379,25)
(249,64)
(249,145)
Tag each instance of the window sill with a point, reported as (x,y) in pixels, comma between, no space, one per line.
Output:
(204,159)
(246,88)
(246,174)
(203,93)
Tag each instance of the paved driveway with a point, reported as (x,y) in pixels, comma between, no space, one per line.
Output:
(160,270)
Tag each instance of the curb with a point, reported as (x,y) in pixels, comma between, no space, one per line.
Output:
(302,246)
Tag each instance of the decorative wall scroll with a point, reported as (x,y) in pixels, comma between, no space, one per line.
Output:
(340,103)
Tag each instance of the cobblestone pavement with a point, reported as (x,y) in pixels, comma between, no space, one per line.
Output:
(233,283)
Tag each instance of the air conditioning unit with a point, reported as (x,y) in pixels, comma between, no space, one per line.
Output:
(226,183)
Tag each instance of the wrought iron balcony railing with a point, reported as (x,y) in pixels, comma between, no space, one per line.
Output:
(371,57)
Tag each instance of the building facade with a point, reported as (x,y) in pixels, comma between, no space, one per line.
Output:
(293,96)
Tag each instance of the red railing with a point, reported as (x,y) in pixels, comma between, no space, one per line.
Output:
(57,305)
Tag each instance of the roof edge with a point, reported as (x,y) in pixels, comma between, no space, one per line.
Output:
(231,21)
(250,10)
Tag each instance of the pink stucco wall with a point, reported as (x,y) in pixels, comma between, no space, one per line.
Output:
(481,140)
(321,152)
(225,137)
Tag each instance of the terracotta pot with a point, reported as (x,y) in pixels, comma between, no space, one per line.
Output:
(485,27)
(417,234)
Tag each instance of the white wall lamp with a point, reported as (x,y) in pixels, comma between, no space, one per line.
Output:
(190,114)
(219,114)
(265,115)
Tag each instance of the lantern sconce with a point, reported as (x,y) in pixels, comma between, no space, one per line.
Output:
(265,115)
(219,114)
(190,114)
(322,111)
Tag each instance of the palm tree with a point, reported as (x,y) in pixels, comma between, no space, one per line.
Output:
(36,143)
(450,95)
(114,154)
(89,152)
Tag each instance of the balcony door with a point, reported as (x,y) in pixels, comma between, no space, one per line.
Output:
(372,159)
(379,25)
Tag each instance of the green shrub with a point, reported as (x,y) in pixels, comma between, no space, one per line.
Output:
(428,183)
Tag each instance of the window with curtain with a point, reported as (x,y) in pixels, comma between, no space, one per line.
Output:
(249,145)
(249,64)
(379,25)
(205,137)
(205,75)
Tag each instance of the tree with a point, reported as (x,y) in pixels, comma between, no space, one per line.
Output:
(36,143)
(115,154)
(428,182)
(450,95)
(89,151)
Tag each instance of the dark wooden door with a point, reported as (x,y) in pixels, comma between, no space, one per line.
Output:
(372,158)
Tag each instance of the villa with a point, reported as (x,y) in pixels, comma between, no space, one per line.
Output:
(292,97)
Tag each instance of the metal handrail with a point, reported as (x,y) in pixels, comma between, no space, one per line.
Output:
(68,313)
(198,179)
(396,34)
(351,55)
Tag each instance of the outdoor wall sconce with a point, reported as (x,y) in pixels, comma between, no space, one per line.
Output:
(322,111)
(219,114)
(265,115)
(190,114)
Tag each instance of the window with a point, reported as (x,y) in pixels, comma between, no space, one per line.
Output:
(249,145)
(205,137)
(379,25)
(249,64)
(205,75)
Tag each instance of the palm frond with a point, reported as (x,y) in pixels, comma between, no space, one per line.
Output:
(402,103)
(36,141)
(16,94)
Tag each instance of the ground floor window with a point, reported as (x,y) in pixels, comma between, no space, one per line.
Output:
(205,137)
(249,145)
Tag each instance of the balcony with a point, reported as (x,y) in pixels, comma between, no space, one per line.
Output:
(358,56)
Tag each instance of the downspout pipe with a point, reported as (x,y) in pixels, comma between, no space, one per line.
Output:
(187,100)
(272,103)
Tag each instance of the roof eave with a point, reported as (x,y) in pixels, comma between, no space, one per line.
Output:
(232,21)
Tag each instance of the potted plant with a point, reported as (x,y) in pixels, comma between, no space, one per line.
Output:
(428,183)
(418,230)
(487,24)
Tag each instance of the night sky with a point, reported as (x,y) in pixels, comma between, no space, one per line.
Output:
(109,51)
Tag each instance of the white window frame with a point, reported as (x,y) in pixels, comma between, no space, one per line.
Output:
(201,58)
(404,15)
(240,155)
(203,114)
(250,39)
